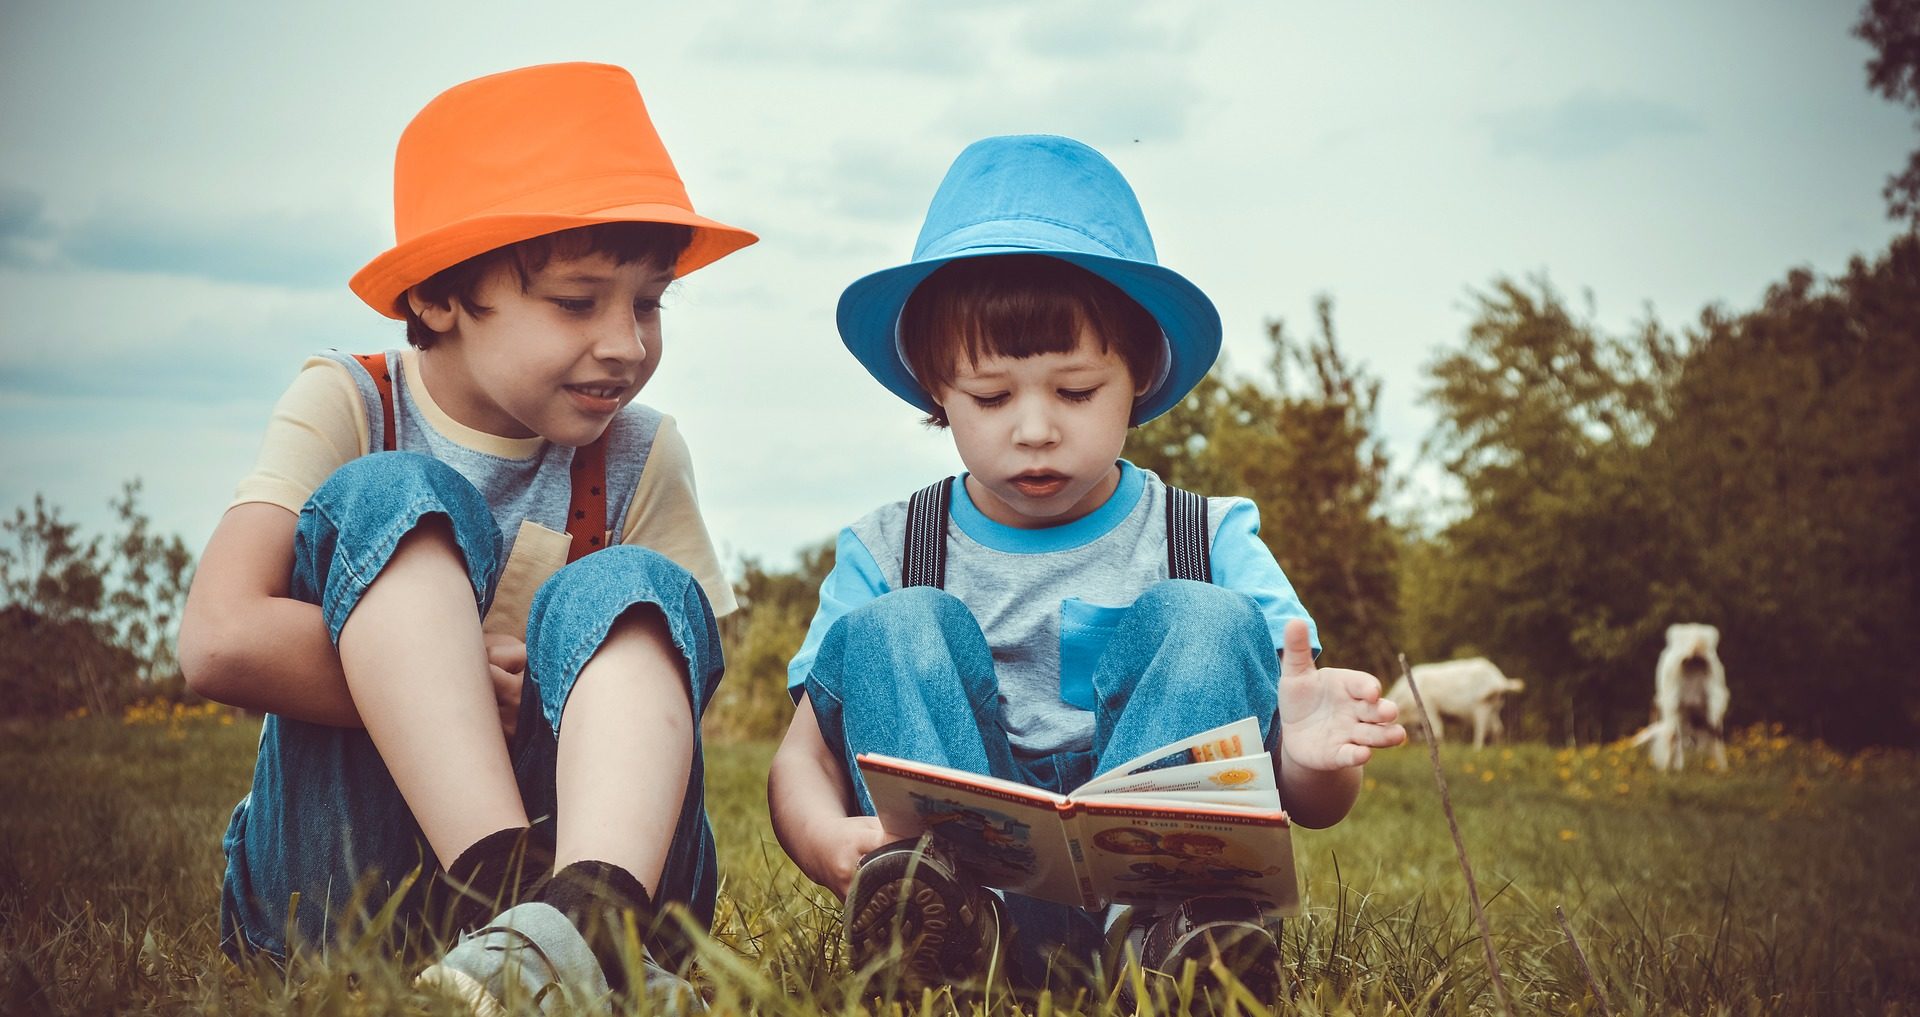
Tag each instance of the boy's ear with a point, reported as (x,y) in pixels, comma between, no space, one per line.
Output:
(436,315)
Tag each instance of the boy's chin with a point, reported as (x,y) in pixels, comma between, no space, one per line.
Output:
(576,435)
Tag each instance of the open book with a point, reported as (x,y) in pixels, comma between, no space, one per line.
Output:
(1209,826)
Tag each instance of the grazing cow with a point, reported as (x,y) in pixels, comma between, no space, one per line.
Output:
(1689,699)
(1467,689)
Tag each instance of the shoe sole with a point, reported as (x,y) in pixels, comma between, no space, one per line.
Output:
(916,904)
(461,986)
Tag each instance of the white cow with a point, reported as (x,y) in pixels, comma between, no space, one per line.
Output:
(1467,689)
(1689,699)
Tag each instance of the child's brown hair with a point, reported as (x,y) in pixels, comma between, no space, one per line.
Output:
(626,242)
(1020,305)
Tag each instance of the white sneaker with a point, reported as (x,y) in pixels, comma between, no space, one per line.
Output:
(527,960)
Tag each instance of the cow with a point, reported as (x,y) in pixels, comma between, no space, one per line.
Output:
(1689,699)
(1467,689)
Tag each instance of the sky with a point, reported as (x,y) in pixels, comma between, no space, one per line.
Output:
(185,189)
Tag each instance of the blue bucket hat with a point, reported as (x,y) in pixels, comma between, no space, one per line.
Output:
(1036,194)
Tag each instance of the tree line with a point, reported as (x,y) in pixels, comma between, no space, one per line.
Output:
(1759,471)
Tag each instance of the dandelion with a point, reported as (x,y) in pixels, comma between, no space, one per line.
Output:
(1565,774)
(1486,776)
(1568,835)
(1622,788)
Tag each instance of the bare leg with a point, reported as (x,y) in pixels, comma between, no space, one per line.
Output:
(626,749)
(417,668)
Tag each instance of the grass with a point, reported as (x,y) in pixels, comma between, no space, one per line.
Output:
(1786,886)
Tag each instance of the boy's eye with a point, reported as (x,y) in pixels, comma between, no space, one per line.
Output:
(1078,395)
(646,306)
(989,401)
(573,305)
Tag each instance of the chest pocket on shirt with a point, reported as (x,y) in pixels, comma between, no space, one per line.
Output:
(1085,631)
(537,554)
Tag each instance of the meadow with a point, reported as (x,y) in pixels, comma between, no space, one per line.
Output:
(1787,885)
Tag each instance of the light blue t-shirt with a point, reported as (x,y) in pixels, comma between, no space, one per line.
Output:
(1049,599)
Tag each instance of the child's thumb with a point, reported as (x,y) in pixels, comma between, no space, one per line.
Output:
(1296,652)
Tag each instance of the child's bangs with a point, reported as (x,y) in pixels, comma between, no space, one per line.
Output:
(1018,306)
(655,243)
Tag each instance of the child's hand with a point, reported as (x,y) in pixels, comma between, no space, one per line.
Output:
(838,847)
(1330,718)
(506,668)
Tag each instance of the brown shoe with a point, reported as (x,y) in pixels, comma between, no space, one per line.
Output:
(912,911)
(1201,930)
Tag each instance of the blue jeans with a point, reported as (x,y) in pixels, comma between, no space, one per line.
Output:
(324,820)
(909,674)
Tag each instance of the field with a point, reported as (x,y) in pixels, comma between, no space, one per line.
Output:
(1788,885)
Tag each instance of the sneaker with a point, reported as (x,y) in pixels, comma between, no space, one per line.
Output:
(528,959)
(910,897)
(1201,929)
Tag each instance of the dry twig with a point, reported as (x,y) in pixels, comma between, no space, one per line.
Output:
(1581,956)
(1459,846)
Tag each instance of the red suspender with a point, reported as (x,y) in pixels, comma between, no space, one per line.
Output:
(376,365)
(587,508)
(587,511)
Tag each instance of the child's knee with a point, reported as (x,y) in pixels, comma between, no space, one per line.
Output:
(905,616)
(621,592)
(1199,611)
(918,638)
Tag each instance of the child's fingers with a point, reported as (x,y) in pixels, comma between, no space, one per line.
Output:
(1362,686)
(507,653)
(1385,710)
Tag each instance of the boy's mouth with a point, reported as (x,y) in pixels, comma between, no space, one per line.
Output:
(1039,484)
(604,398)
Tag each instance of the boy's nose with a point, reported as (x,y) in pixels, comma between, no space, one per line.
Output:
(623,337)
(1034,427)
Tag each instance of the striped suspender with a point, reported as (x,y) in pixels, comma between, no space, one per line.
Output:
(924,559)
(1187,542)
(587,510)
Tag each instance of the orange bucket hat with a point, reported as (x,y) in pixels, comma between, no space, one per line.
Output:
(524,153)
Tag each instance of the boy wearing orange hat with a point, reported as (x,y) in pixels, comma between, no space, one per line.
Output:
(468,581)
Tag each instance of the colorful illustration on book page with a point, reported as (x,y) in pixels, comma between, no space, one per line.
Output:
(987,838)
(1149,865)
(1229,747)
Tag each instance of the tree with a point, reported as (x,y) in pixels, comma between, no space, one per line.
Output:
(87,622)
(1547,572)
(1892,28)
(1795,439)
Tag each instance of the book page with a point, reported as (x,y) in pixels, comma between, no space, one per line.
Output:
(1244,774)
(1258,799)
(1005,834)
(1155,855)
(1238,740)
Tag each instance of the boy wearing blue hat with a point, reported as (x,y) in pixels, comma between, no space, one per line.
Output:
(1056,610)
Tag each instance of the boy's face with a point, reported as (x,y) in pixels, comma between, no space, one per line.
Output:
(557,359)
(1040,434)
